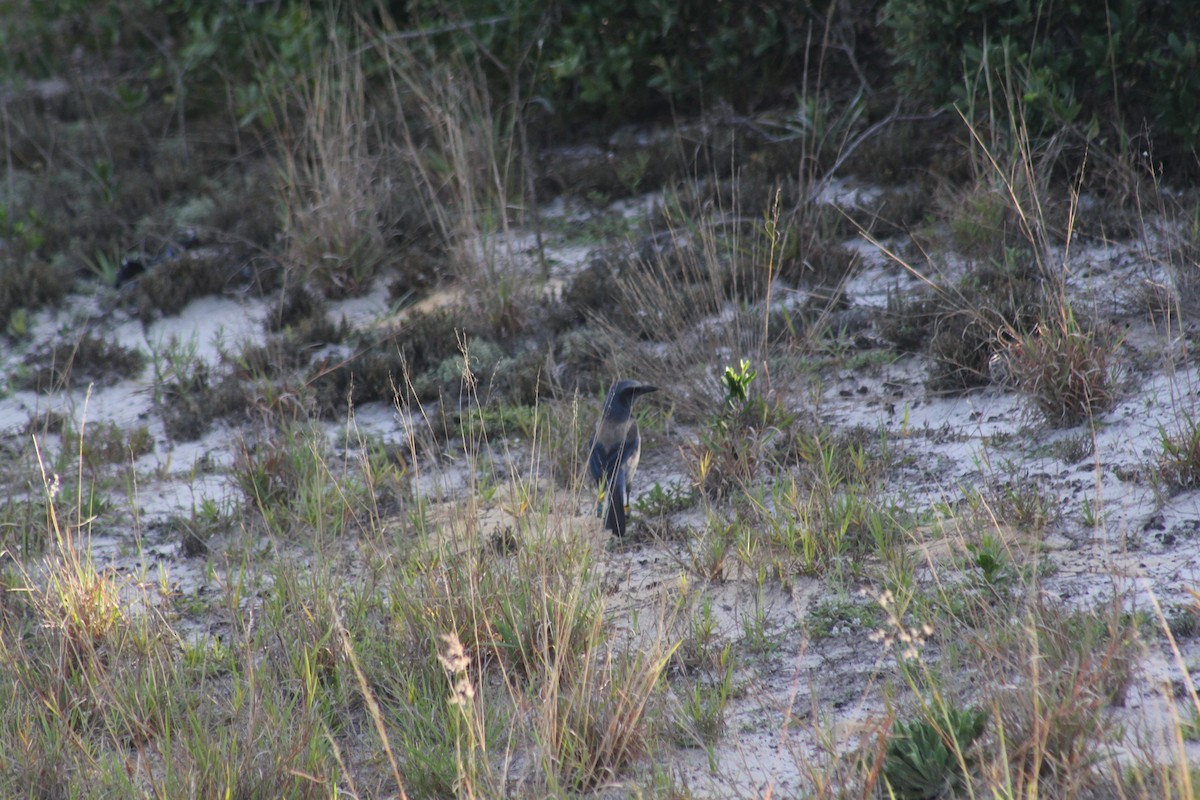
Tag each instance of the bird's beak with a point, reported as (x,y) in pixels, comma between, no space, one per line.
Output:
(646,388)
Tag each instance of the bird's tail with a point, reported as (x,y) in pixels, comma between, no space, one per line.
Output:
(614,520)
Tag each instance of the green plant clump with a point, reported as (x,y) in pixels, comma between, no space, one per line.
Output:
(923,761)
(1179,460)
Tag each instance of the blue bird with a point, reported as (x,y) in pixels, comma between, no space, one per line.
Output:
(615,450)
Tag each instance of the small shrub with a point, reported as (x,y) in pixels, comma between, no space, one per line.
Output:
(109,443)
(580,353)
(990,558)
(297,308)
(658,501)
(167,287)
(736,440)
(737,384)
(383,366)
(494,376)
(187,393)
(981,222)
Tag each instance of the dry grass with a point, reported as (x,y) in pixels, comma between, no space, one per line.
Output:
(1069,373)
(342,189)
(465,154)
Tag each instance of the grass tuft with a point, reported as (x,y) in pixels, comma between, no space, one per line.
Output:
(1069,373)
(1179,457)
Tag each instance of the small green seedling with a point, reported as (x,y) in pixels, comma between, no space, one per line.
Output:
(737,384)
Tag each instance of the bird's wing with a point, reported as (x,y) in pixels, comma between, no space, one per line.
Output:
(599,461)
(614,520)
(608,449)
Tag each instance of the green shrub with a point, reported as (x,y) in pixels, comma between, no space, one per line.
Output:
(192,55)
(630,57)
(1110,67)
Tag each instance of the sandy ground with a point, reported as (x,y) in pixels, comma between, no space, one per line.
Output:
(1112,533)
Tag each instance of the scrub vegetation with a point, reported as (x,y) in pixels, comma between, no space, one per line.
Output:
(433,611)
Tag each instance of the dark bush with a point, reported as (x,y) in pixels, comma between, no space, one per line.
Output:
(189,53)
(624,59)
(616,60)
(1113,69)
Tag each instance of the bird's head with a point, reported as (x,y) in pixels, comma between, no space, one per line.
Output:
(623,393)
